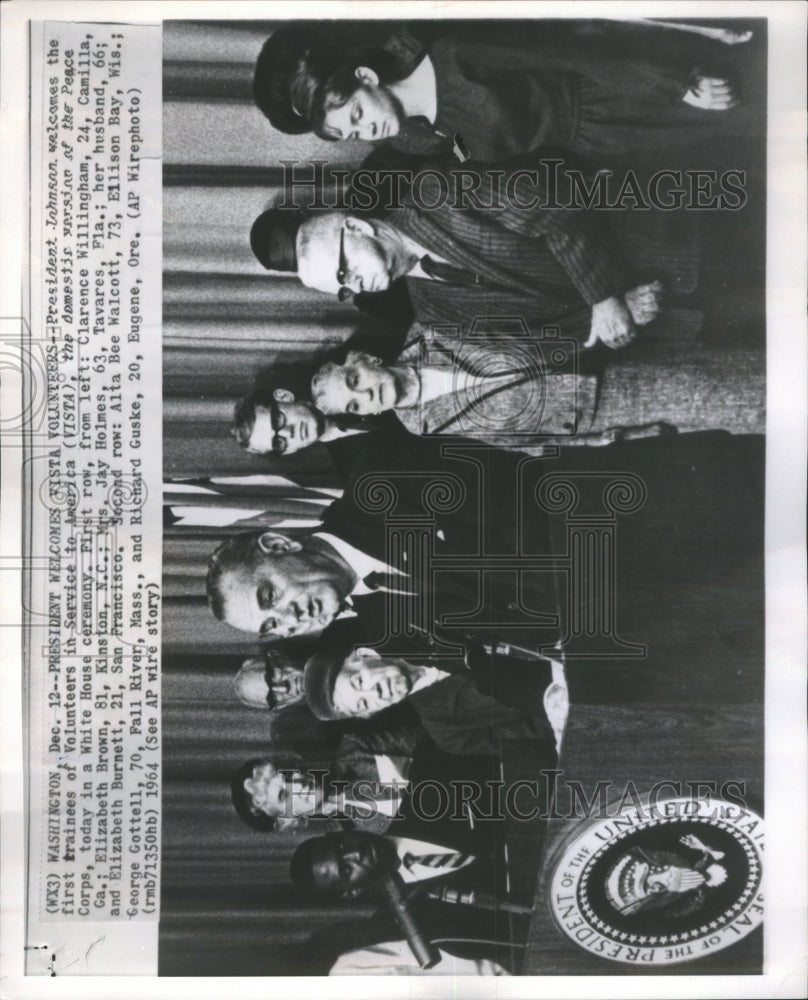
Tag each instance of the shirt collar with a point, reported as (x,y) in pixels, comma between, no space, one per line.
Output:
(360,562)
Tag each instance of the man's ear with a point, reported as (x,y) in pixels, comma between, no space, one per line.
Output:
(361,226)
(367,76)
(271,543)
(283,396)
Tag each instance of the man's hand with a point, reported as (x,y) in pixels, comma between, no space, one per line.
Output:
(611,324)
(644,302)
(711,93)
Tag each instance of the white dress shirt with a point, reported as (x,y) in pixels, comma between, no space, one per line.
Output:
(360,562)
(394,958)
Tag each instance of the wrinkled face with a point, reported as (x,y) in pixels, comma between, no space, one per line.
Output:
(353,859)
(291,427)
(282,594)
(286,683)
(336,251)
(370,113)
(362,386)
(275,794)
(369,683)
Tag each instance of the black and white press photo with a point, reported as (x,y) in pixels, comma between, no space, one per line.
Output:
(412,435)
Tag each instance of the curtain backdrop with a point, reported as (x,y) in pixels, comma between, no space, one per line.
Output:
(227,905)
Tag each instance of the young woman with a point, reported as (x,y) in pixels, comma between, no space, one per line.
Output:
(614,92)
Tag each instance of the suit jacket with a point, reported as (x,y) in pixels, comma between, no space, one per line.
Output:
(521,411)
(479,515)
(444,500)
(513,87)
(461,720)
(548,266)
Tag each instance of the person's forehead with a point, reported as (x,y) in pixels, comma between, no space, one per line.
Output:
(342,683)
(320,259)
(292,408)
(238,587)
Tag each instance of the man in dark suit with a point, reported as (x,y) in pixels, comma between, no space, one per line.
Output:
(471,544)
(354,864)
(510,248)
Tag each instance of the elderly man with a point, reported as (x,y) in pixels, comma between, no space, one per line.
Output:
(448,697)
(463,259)
(270,681)
(695,522)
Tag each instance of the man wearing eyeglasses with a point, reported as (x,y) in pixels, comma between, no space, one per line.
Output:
(461,258)
(283,425)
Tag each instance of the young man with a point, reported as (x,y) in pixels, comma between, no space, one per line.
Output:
(347,862)
(278,417)
(354,863)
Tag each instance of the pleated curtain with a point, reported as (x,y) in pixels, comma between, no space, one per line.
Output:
(227,905)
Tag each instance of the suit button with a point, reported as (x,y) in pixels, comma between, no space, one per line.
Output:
(513,606)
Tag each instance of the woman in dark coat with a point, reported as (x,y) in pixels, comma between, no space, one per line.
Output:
(614,92)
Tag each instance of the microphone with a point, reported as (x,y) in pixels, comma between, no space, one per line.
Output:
(426,954)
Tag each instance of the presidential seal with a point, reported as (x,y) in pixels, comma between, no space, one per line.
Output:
(655,885)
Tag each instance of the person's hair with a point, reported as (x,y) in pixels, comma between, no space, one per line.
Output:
(233,552)
(360,342)
(242,800)
(297,378)
(301,866)
(323,373)
(330,90)
(300,56)
(294,376)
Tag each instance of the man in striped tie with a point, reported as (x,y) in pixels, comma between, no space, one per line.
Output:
(347,862)
(356,862)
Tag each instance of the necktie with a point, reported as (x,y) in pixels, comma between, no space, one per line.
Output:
(448,860)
